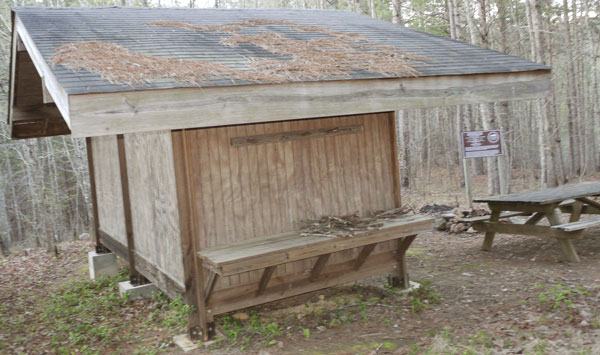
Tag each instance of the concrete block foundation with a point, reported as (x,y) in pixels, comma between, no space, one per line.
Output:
(134,292)
(102,265)
(184,342)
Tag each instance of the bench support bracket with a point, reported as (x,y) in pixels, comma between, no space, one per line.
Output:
(401,278)
(319,266)
(364,254)
(264,280)
(210,285)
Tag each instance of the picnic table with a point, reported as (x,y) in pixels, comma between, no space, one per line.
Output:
(574,199)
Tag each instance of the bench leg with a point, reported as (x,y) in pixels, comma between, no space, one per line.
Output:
(566,245)
(576,212)
(568,250)
(489,236)
(264,280)
(401,279)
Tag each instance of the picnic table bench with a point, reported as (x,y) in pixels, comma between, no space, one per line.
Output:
(266,253)
(540,204)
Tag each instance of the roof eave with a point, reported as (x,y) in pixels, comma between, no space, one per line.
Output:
(169,109)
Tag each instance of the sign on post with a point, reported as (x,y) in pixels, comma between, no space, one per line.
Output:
(481,144)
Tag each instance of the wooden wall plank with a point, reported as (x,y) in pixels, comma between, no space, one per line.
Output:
(154,207)
(111,215)
(257,190)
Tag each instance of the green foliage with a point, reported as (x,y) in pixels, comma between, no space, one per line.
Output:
(88,317)
(423,297)
(306,332)
(560,296)
(240,334)
(428,16)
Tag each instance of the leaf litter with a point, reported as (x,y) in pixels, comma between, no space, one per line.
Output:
(327,55)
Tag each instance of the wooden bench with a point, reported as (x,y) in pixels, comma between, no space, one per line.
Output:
(583,205)
(267,253)
(578,225)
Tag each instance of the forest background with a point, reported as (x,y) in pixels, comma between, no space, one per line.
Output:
(44,183)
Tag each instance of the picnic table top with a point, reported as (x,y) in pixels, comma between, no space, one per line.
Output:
(547,196)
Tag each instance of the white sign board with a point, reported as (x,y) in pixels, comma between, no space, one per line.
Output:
(481,144)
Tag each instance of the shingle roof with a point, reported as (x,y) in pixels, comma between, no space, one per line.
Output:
(53,27)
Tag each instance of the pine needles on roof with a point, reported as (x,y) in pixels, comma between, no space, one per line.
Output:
(330,55)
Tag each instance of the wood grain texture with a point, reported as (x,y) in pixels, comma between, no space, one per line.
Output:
(281,248)
(95,223)
(260,190)
(293,135)
(134,275)
(124,112)
(111,215)
(154,208)
(242,296)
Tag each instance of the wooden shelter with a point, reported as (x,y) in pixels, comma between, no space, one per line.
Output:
(199,179)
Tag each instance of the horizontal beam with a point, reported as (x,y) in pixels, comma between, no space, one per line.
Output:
(294,135)
(151,110)
(525,229)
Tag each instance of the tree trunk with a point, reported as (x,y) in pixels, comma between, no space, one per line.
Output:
(397,12)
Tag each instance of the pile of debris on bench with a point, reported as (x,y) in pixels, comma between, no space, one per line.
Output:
(451,219)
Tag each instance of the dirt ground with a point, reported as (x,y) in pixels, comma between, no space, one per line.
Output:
(491,302)
(520,298)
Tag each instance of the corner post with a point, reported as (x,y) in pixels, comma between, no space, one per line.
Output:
(200,325)
(100,248)
(134,276)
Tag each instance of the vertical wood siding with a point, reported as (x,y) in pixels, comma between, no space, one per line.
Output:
(258,190)
(109,194)
(155,215)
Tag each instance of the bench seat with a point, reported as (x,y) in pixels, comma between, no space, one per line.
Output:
(264,252)
(579,225)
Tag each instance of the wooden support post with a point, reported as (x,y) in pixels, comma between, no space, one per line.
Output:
(589,202)
(264,280)
(319,266)
(533,220)
(100,248)
(364,254)
(575,211)
(468,191)
(401,278)
(489,236)
(566,245)
(134,276)
(199,319)
(395,161)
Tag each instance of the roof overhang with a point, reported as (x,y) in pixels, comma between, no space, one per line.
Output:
(40,106)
